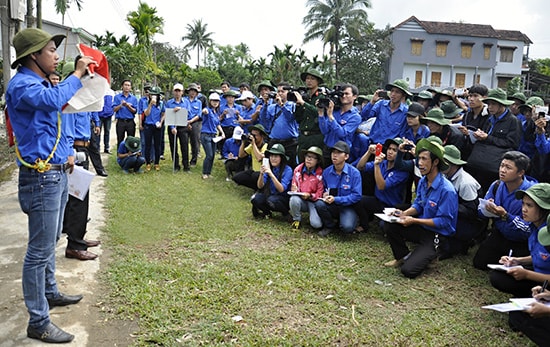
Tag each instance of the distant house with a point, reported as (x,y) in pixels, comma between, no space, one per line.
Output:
(455,55)
(68,49)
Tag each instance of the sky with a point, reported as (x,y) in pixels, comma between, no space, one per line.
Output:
(264,24)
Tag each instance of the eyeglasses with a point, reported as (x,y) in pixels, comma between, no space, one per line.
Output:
(309,156)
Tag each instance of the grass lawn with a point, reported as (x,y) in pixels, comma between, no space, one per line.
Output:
(189,260)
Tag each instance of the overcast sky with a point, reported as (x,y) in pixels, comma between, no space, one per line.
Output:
(263,24)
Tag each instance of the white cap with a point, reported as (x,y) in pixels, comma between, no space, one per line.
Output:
(247,94)
(214,96)
(238,133)
(178,86)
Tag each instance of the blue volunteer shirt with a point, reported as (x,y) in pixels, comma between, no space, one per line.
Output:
(195,108)
(388,124)
(341,128)
(172,103)
(422,132)
(286,179)
(396,182)
(33,108)
(210,121)
(156,114)
(348,184)
(280,121)
(107,110)
(124,112)
(438,202)
(230,118)
(77,127)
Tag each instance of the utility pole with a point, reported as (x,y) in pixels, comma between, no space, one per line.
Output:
(6,39)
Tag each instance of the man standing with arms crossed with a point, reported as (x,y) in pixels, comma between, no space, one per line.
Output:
(125,106)
(43,155)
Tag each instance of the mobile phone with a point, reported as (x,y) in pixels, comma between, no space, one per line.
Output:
(265,162)
(378,149)
(383,94)
(541,110)
(471,127)
(333,191)
(459,92)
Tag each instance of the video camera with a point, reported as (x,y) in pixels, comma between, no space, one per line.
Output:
(272,95)
(326,95)
(301,90)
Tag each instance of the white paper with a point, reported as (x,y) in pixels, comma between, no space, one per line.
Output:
(515,304)
(177,118)
(483,207)
(472,137)
(386,218)
(296,193)
(79,182)
(504,268)
(217,139)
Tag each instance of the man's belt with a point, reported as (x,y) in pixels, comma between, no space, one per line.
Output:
(310,132)
(54,167)
(81,143)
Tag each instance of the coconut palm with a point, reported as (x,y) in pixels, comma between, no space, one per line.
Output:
(61,6)
(331,20)
(198,37)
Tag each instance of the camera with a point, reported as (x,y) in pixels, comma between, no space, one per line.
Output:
(326,95)
(407,147)
(301,90)
(272,95)
(383,94)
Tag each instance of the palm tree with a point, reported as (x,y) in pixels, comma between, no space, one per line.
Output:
(331,20)
(198,37)
(61,6)
(145,24)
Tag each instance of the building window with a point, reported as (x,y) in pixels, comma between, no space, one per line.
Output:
(436,79)
(416,47)
(441,48)
(466,50)
(506,54)
(487,52)
(418,78)
(478,79)
(460,80)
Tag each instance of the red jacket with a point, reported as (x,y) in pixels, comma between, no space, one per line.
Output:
(308,183)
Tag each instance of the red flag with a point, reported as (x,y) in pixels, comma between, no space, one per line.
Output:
(95,85)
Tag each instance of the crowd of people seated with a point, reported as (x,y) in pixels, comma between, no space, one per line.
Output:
(447,171)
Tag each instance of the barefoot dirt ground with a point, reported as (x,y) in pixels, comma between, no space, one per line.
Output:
(88,320)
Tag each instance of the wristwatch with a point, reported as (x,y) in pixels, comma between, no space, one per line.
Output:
(504,216)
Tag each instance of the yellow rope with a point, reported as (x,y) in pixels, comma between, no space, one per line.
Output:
(39,164)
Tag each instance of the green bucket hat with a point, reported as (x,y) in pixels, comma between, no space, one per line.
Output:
(434,148)
(231,92)
(155,91)
(540,193)
(68,68)
(450,110)
(498,95)
(258,127)
(277,149)
(434,138)
(436,115)
(544,234)
(518,96)
(267,84)
(423,95)
(133,144)
(452,155)
(32,40)
(315,150)
(313,72)
(399,84)
(396,141)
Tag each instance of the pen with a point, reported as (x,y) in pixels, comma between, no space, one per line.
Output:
(544,285)
(510,254)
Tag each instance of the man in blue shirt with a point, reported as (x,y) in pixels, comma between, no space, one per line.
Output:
(194,120)
(281,124)
(341,124)
(391,115)
(43,154)
(105,119)
(431,218)
(510,232)
(125,106)
(342,192)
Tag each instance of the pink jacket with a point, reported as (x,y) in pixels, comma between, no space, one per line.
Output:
(307,183)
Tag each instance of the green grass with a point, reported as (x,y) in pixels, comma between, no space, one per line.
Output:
(188,257)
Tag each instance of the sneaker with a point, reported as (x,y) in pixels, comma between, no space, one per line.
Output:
(162,157)
(296,225)
(126,172)
(157,167)
(256,213)
(204,177)
(148,167)
(324,232)
(227,179)
(140,171)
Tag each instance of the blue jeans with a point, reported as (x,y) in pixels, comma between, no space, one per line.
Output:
(42,197)
(299,205)
(105,124)
(329,212)
(209,146)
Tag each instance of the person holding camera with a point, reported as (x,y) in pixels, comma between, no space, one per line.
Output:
(341,124)
(254,147)
(279,122)
(306,113)
(390,114)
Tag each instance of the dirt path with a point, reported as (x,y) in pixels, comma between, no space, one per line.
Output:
(85,320)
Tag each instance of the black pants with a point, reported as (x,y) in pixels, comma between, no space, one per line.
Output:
(247,178)
(494,247)
(290,146)
(534,328)
(508,284)
(233,166)
(124,128)
(421,256)
(182,135)
(75,218)
(93,151)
